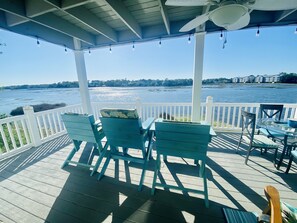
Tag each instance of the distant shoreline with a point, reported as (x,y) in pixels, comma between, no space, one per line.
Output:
(135,83)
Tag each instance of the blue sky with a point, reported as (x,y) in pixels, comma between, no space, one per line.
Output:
(274,51)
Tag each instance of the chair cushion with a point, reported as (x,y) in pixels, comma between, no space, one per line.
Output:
(263,142)
(119,113)
(289,213)
(236,216)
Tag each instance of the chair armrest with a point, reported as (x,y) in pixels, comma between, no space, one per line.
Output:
(147,123)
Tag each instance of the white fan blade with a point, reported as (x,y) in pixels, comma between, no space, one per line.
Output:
(268,5)
(186,2)
(195,23)
(242,22)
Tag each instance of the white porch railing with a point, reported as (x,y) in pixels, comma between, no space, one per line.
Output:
(32,129)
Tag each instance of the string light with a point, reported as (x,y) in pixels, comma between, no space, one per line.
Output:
(37,41)
(160,42)
(65,49)
(110,49)
(133,46)
(221,35)
(258,32)
(189,39)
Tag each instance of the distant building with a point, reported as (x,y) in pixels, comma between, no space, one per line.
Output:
(258,79)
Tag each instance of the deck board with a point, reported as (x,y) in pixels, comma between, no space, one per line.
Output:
(34,188)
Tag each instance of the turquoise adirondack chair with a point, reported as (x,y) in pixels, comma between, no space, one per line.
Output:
(186,140)
(123,128)
(80,128)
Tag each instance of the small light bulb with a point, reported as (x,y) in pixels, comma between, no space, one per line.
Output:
(65,49)
(189,39)
(160,43)
(295,31)
(89,51)
(110,49)
(221,35)
(133,46)
(37,41)
(258,32)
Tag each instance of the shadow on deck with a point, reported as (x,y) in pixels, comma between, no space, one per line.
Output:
(33,187)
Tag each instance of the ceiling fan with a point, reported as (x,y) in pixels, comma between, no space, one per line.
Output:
(230,14)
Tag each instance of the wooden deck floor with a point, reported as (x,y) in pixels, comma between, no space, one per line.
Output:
(33,187)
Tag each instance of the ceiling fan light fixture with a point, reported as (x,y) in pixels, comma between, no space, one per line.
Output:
(227,15)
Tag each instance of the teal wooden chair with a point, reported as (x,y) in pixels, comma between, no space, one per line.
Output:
(124,129)
(248,123)
(83,128)
(186,140)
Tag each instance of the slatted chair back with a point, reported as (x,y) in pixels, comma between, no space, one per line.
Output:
(123,132)
(81,127)
(271,111)
(187,140)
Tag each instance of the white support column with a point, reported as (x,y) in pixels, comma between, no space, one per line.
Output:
(197,79)
(82,77)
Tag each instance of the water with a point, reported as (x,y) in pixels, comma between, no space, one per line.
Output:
(253,93)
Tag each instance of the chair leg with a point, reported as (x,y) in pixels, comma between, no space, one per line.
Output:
(101,155)
(247,155)
(104,167)
(69,157)
(206,201)
(157,169)
(289,164)
(239,142)
(146,159)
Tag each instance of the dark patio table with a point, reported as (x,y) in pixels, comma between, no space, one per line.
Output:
(279,130)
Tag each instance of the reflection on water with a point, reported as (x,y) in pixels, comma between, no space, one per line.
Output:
(254,93)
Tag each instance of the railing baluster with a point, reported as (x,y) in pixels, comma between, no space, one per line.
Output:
(50,123)
(45,126)
(18,133)
(39,127)
(25,130)
(11,135)
(6,145)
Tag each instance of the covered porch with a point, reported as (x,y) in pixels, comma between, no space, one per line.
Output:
(34,188)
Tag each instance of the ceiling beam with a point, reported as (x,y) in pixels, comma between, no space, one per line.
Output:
(49,20)
(34,30)
(84,16)
(164,15)
(283,14)
(89,19)
(37,8)
(122,12)
(13,20)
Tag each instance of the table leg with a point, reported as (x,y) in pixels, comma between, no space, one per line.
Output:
(283,152)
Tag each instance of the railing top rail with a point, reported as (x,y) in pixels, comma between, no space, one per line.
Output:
(12,118)
(58,109)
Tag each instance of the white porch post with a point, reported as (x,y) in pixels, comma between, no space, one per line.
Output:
(82,77)
(197,79)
